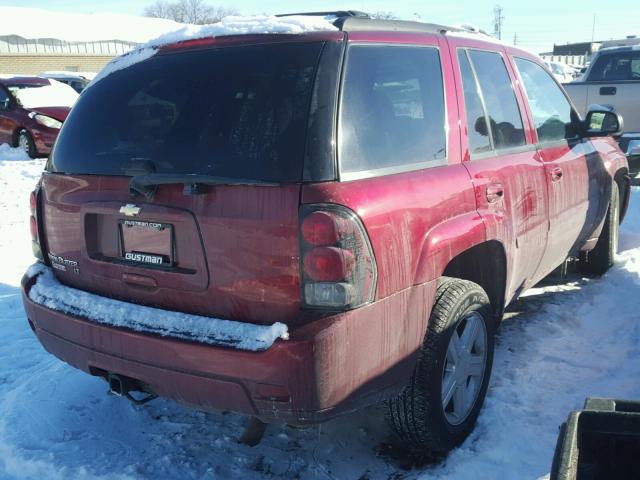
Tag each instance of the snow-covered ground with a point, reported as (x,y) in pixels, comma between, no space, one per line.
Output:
(560,344)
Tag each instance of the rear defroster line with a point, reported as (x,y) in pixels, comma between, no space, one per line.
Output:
(49,292)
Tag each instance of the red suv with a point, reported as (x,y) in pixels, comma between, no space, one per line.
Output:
(307,224)
(32,110)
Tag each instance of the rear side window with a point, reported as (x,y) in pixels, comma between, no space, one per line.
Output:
(233,112)
(503,114)
(549,106)
(614,67)
(392,111)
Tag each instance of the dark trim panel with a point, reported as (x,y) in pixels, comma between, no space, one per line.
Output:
(320,164)
(529,147)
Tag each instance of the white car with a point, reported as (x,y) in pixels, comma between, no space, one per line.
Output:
(563,73)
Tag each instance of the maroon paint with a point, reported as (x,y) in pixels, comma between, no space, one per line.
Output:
(329,366)
(251,266)
(17,118)
(240,249)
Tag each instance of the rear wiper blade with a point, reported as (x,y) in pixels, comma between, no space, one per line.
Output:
(194,184)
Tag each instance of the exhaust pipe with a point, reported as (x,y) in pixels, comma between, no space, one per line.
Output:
(116,386)
(122,386)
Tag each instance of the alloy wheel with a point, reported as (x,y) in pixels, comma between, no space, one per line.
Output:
(464,368)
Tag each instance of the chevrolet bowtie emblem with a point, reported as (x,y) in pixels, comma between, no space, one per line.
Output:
(130,210)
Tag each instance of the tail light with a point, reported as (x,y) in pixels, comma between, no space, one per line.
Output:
(337,263)
(36,243)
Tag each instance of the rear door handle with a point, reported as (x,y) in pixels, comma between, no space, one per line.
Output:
(494,192)
(556,174)
(608,90)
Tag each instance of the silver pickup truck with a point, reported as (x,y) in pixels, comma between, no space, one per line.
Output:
(613,79)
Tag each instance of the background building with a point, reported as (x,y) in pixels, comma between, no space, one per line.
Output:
(34,40)
(32,56)
(581,53)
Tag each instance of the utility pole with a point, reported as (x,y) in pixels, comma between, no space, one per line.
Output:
(515,38)
(498,18)
(593,28)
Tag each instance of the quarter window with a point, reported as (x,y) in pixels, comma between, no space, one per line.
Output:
(549,106)
(392,112)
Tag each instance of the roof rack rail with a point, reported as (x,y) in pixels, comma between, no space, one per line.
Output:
(469,29)
(354,20)
(337,14)
(354,24)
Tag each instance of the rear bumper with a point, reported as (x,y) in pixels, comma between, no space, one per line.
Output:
(327,367)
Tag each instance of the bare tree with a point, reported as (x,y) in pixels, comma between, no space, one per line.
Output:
(160,9)
(188,11)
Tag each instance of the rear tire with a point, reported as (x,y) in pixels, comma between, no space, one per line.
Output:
(26,143)
(600,259)
(422,415)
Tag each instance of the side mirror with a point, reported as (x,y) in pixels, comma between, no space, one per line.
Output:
(602,121)
(4,105)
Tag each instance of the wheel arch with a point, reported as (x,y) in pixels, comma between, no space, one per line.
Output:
(621,177)
(16,134)
(486,265)
(459,248)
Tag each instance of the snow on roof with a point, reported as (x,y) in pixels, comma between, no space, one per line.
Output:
(34,23)
(469,31)
(263,24)
(67,74)
(235,25)
(15,75)
(56,94)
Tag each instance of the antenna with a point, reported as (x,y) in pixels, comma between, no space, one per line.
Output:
(498,18)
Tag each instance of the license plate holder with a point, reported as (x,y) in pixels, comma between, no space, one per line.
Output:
(147,243)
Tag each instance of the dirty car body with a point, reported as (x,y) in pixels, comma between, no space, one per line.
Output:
(290,198)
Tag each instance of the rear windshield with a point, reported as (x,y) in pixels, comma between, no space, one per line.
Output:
(234,112)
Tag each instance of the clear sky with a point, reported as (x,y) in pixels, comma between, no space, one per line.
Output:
(538,24)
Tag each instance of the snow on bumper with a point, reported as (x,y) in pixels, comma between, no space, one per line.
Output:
(50,293)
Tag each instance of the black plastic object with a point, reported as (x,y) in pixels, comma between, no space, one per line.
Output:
(337,14)
(602,441)
(354,21)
